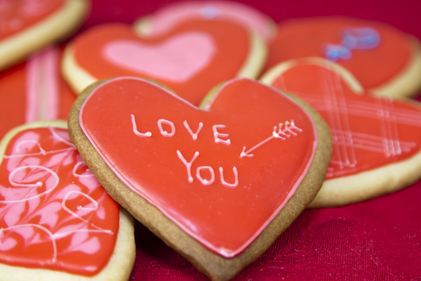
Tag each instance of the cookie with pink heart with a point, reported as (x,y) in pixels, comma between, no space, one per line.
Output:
(190,58)
(57,222)
(161,20)
(385,60)
(28,26)
(376,140)
(217,183)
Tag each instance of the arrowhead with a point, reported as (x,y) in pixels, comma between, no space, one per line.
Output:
(245,154)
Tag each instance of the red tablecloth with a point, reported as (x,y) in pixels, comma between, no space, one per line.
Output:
(378,239)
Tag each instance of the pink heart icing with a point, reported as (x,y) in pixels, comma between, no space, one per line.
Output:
(176,59)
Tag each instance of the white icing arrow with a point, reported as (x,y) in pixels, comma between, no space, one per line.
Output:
(279,133)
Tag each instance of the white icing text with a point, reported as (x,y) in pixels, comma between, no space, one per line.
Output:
(167,129)
(206,175)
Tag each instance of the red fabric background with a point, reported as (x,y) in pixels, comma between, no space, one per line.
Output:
(378,239)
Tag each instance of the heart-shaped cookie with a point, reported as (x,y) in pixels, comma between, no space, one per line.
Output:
(219,184)
(376,141)
(56,219)
(174,13)
(190,59)
(34,90)
(384,60)
(27,26)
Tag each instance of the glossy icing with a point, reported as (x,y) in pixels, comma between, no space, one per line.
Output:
(173,14)
(202,183)
(368,132)
(29,89)
(54,213)
(224,45)
(42,86)
(310,38)
(12,98)
(17,15)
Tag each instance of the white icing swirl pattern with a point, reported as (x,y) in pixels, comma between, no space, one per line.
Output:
(50,197)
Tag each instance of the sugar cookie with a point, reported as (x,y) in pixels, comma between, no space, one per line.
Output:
(376,141)
(190,59)
(34,90)
(57,222)
(174,13)
(384,60)
(28,26)
(217,184)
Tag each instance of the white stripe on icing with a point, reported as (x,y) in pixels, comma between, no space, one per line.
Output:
(42,86)
(31,89)
(50,82)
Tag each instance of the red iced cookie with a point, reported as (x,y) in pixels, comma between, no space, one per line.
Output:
(218,184)
(384,60)
(376,141)
(57,222)
(164,18)
(27,26)
(34,90)
(190,59)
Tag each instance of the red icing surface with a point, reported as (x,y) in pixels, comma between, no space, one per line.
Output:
(66,99)
(232,49)
(372,68)
(12,98)
(367,132)
(14,103)
(223,217)
(17,15)
(68,223)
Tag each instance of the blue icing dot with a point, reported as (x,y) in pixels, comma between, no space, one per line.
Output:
(337,52)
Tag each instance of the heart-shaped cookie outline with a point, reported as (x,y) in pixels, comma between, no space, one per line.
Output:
(405,83)
(243,135)
(208,262)
(79,78)
(364,185)
(55,27)
(124,252)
